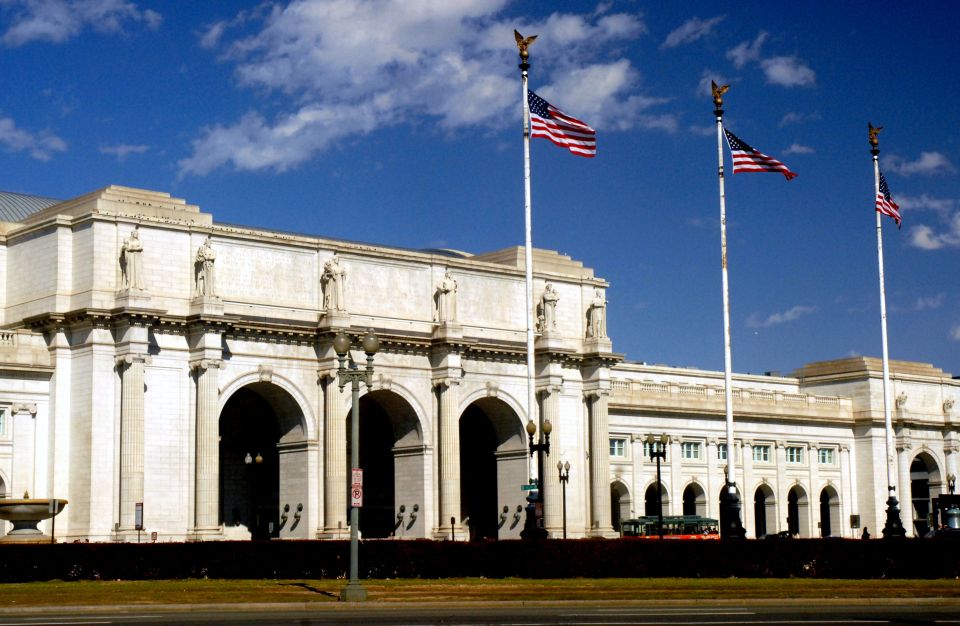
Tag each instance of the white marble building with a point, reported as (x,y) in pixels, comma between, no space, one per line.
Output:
(151,355)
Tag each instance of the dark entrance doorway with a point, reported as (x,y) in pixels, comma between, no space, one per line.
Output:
(250,464)
(760,513)
(793,513)
(478,473)
(825,530)
(650,501)
(377,519)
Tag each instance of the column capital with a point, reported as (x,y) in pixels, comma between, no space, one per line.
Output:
(205,364)
(446,381)
(18,408)
(133,357)
(595,394)
(550,389)
(324,373)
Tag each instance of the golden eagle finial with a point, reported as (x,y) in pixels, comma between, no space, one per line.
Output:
(872,132)
(718,92)
(523,43)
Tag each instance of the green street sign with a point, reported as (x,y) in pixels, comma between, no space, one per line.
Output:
(528,487)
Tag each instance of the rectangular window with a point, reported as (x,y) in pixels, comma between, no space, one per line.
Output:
(794,454)
(722,451)
(618,447)
(826,456)
(761,454)
(690,450)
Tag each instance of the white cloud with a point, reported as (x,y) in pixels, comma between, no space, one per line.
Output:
(353,68)
(797,148)
(123,150)
(40,146)
(757,321)
(928,164)
(941,206)
(955,332)
(798,118)
(747,51)
(57,21)
(788,72)
(925,238)
(690,31)
(707,77)
(925,303)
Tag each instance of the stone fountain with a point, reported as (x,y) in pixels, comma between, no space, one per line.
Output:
(26,513)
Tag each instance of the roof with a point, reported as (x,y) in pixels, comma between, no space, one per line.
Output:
(17,206)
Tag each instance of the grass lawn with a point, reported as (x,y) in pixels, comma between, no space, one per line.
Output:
(90,593)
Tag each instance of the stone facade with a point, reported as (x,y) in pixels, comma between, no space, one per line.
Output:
(134,376)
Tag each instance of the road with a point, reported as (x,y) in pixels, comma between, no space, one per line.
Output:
(933,611)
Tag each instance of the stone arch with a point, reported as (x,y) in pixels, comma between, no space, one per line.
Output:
(620,503)
(764,511)
(264,460)
(650,498)
(830,522)
(798,511)
(493,465)
(424,424)
(494,392)
(926,483)
(694,499)
(309,421)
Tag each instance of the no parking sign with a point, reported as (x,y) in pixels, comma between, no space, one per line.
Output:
(356,487)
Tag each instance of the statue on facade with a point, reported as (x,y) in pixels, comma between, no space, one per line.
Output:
(446,299)
(206,255)
(547,309)
(596,316)
(333,278)
(131,261)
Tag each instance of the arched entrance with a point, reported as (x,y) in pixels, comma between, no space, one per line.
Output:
(650,500)
(764,511)
(924,485)
(391,456)
(798,520)
(262,464)
(492,469)
(829,512)
(619,504)
(694,500)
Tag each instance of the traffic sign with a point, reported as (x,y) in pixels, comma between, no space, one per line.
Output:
(356,477)
(356,496)
(530,487)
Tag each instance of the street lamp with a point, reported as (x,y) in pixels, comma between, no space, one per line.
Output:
(354,591)
(658,451)
(951,482)
(564,469)
(532,530)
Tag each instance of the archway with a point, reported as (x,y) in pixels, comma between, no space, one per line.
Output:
(829,512)
(492,469)
(650,500)
(924,485)
(798,520)
(262,463)
(619,504)
(391,456)
(694,500)
(764,511)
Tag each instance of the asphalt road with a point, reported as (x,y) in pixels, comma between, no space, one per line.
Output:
(911,612)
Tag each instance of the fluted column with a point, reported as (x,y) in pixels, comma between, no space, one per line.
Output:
(448,389)
(552,498)
(904,494)
(207,469)
(334,456)
(599,464)
(131,436)
(24,450)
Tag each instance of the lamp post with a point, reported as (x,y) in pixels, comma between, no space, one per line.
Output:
(354,591)
(532,530)
(564,469)
(951,483)
(658,451)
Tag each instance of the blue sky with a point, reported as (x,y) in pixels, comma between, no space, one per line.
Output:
(398,122)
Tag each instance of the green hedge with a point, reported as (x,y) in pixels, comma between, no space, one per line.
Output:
(590,558)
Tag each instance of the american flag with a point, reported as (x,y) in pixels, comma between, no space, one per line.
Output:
(885,203)
(749,159)
(551,123)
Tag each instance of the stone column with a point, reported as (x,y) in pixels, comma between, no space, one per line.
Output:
(24,450)
(334,456)
(848,497)
(449,421)
(599,464)
(552,498)
(711,480)
(903,489)
(670,472)
(207,468)
(131,436)
(781,485)
(811,459)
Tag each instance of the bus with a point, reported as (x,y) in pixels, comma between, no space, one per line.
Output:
(674,527)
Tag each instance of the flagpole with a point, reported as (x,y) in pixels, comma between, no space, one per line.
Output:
(730,524)
(528,244)
(893,527)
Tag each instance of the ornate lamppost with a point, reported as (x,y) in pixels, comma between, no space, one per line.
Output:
(531,529)
(658,451)
(564,469)
(354,591)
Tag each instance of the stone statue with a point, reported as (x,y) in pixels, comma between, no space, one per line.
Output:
(333,279)
(596,316)
(131,261)
(206,285)
(547,309)
(446,299)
